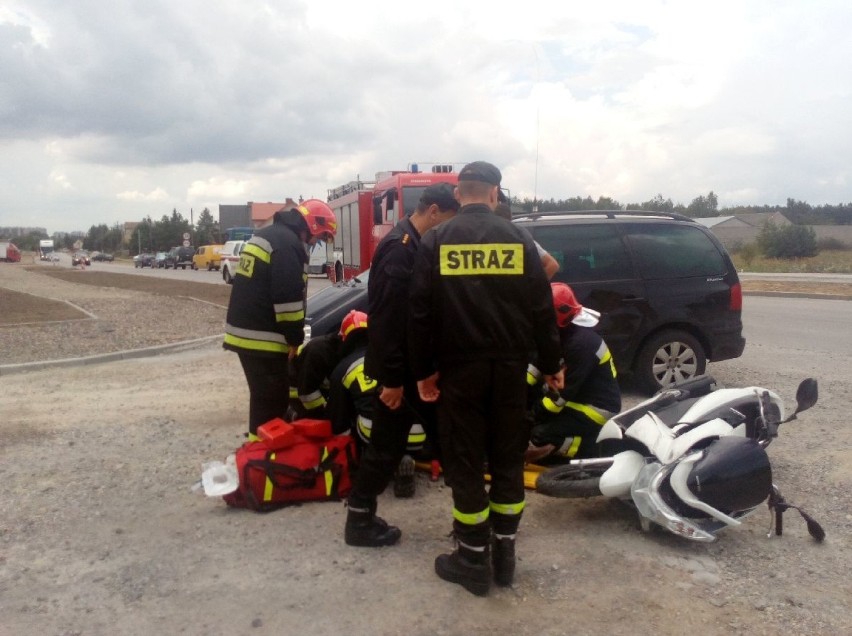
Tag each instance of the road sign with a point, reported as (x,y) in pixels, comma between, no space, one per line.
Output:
(186,237)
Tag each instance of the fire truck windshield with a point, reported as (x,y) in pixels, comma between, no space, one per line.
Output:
(411,197)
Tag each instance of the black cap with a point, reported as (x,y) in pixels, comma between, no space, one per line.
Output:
(481,171)
(440,194)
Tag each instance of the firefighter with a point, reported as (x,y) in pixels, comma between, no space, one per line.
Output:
(309,373)
(352,396)
(480,303)
(397,403)
(266,312)
(567,423)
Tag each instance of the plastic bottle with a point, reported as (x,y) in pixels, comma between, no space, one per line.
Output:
(220,478)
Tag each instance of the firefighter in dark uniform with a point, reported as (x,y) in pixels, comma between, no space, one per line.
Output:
(266,312)
(309,373)
(567,423)
(480,304)
(397,403)
(352,398)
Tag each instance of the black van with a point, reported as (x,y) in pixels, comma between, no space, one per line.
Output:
(669,296)
(179,256)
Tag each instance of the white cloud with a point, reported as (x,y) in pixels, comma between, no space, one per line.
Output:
(157,194)
(219,189)
(236,101)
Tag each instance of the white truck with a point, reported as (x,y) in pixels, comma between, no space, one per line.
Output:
(45,249)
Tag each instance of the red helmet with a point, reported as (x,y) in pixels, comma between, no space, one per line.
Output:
(568,308)
(354,320)
(320,219)
(565,303)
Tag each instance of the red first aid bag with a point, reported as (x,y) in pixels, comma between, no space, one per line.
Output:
(291,463)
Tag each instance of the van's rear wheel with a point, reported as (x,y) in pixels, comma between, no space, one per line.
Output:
(669,357)
(226,276)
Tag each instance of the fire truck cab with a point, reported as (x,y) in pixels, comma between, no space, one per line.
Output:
(367,210)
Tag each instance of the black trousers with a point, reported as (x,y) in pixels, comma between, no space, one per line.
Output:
(481,419)
(269,388)
(388,443)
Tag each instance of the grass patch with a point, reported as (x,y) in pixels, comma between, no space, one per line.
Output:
(826,262)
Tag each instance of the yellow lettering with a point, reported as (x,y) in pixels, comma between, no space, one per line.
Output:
(484,259)
(246,266)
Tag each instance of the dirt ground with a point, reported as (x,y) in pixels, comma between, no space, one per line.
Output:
(102,534)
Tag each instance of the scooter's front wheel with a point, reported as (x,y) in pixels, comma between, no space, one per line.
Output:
(571,481)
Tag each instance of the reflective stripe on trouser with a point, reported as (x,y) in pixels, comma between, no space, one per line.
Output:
(416,434)
(481,419)
(572,432)
(388,440)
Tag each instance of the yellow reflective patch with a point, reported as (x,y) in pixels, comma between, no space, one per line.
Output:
(256,345)
(246,266)
(329,478)
(470,519)
(507,509)
(486,258)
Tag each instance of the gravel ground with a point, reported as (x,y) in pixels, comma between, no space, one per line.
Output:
(100,532)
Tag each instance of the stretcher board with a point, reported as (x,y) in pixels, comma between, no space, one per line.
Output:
(531,473)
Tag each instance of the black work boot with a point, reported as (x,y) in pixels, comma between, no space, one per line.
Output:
(503,560)
(364,529)
(466,567)
(403,479)
(503,547)
(469,565)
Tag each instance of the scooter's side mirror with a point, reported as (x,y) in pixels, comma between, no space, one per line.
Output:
(806,395)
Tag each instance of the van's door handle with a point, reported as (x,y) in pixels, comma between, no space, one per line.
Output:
(633,299)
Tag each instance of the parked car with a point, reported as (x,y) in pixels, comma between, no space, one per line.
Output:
(207,257)
(669,295)
(80,258)
(179,256)
(229,258)
(103,257)
(144,259)
(160,259)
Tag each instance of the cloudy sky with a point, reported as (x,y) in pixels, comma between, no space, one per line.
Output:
(113,111)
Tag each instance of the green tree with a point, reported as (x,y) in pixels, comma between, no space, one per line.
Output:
(704,206)
(789,241)
(207,229)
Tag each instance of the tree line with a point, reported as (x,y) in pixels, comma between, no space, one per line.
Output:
(797,212)
(163,234)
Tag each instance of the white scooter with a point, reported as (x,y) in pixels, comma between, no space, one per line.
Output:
(691,458)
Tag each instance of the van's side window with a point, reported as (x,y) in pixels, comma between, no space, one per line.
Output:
(674,251)
(585,252)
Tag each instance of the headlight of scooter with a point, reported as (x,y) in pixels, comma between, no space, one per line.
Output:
(645,492)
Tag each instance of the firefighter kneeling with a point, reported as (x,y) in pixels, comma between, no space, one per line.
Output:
(567,423)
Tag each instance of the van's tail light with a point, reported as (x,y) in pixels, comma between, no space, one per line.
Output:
(736,303)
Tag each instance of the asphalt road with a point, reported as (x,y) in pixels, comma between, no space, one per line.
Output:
(792,327)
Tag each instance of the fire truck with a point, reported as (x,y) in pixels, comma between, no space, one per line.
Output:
(367,210)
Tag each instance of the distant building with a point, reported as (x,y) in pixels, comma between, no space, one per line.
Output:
(252,214)
(740,229)
(127,231)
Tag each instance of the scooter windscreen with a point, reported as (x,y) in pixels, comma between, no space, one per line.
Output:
(733,475)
